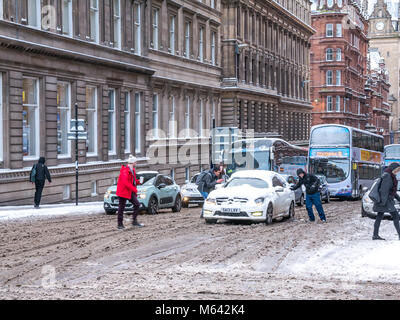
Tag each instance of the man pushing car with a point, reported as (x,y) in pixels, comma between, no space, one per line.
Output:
(127,190)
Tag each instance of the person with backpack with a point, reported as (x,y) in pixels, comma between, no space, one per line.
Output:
(207,180)
(127,190)
(38,176)
(385,192)
(313,197)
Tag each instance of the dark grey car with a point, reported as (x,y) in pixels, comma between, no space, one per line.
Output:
(323,189)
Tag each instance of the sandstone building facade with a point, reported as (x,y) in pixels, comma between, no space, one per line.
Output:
(142,72)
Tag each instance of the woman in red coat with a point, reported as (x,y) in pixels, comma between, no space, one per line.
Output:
(127,190)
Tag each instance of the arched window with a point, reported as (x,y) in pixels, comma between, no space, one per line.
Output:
(329,54)
(338,54)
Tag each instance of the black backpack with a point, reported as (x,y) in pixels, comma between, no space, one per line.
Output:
(32,177)
(200,179)
(374,194)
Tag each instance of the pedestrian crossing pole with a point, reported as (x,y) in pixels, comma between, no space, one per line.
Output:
(76,157)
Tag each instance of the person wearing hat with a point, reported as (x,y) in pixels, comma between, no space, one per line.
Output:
(387,193)
(127,190)
(313,197)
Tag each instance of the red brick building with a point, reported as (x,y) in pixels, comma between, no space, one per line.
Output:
(339,51)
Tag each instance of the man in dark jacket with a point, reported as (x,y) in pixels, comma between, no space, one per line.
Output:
(387,193)
(311,182)
(208,180)
(42,173)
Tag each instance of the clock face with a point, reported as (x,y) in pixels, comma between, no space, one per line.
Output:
(380,26)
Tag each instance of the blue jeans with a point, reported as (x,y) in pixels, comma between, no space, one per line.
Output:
(314,199)
(204,194)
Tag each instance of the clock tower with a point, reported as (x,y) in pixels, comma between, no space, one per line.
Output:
(380,20)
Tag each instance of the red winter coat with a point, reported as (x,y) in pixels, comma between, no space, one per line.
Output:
(125,185)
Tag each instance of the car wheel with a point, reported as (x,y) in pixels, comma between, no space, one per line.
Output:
(363,213)
(291,211)
(270,212)
(110,211)
(301,201)
(153,205)
(211,221)
(178,204)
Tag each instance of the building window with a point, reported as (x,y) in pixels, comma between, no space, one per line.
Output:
(117,24)
(111,122)
(329,30)
(1,9)
(1,116)
(329,103)
(155,115)
(339,30)
(30,118)
(171,118)
(67,17)
(137,27)
(66,192)
(94,189)
(338,77)
(338,54)
(138,125)
(155,28)
(187,39)
(329,54)
(172,34)
(63,119)
(172,174)
(187,175)
(329,77)
(201,44)
(91,116)
(359,107)
(212,4)
(337,103)
(34,13)
(187,117)
(201,118)
(213,48)
(94,20)
(212,114)
(127,117)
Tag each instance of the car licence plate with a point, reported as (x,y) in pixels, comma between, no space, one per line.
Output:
(230,210)
(116,201)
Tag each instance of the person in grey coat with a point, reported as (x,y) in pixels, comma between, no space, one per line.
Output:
(387,192)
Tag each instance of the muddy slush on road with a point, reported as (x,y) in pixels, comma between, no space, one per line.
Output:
(179,256)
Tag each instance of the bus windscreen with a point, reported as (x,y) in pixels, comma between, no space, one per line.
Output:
(330,136)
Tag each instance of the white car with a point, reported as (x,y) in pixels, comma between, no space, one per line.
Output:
(190,193)
(367,205)
(255,195)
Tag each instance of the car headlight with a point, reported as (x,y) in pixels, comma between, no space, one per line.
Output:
(259,201)
(211,201)
(142,196)
(367,199)
(107,194)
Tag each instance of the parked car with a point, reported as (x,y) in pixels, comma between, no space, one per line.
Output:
(255,195)
(324,188)
(300,193)
(367,205)
(190,193)
(156,192)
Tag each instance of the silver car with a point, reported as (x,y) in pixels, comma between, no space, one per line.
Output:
(367,205)
(190,193)
(300,193)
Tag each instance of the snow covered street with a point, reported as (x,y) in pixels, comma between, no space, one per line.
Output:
(178,256)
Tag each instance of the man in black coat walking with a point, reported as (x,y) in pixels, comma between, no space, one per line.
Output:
(312,183)
(42,173)
(387,193)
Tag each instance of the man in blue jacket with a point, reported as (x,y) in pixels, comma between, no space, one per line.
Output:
(313,197)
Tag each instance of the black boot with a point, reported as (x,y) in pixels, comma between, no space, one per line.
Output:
(121,227)
(135,223)
(377,238)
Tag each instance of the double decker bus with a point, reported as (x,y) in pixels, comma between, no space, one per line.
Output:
(272,154)
(350,158)
(392,154)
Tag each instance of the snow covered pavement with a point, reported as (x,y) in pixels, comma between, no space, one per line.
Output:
(19,212)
